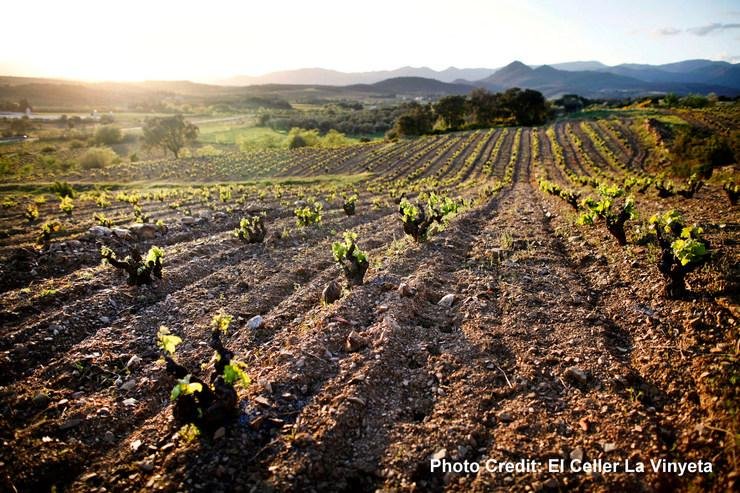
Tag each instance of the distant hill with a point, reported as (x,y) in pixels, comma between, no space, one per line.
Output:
(319,76)
(621,81)
(413,86)
(684,76)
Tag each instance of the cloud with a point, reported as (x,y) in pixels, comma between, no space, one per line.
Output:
(667,31)
(710,28)
(728,58)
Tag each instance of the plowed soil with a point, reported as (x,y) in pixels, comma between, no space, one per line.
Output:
(558,345)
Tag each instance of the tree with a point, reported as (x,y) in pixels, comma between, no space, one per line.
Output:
(528,107)
(452,110)
(108,135)
(20,126)
(482,107)
(416,120)
(171,133)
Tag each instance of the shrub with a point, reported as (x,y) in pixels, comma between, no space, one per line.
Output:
(196,402)
(31,213)
(102,220)
(349,204)
(140,270)
(570,196)
(604,209)
(208,151)
(47,232)
(97,157)
(692,186)
(62,189)
(66,205)
(351,259)
(732,190)
(108,135)
(251,229)
(306,216)
(419,219)
(682,251)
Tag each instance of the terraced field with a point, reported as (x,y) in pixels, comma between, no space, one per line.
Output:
(558,343)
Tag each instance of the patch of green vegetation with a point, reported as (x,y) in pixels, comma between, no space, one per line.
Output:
(642,113)
(240,133)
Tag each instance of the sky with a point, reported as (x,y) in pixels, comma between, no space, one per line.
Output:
(212,40)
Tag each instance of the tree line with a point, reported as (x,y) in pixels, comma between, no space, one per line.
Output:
(479,109)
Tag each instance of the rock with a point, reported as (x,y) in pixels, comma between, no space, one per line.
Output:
(355,342)
(187,220)
(255,322)
(220,216)
(331,293)
(100,231)
(220,433)
(122,233)
(128,385)
(41,400)
(144,231)
(129,402)
(74,244)
(608,447)
(447,300)
(577,454)
(551,484)
(575,375)
(135,445)
(505,417)
(439,454)
(133,362)
(406,291)
(109,437)
(104,320)
(70,423)
(146,466)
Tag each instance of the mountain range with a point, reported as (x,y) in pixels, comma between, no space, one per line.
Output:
(586,78)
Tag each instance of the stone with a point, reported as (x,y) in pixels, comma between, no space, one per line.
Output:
(447,300)
(576,375)
(406,291)
(331,293)
(355,342)
(128,385)
(577,454)
(187,220)
(133,362)
(255,322)
(100,231)
(122,233)
(144,231)
(70,423)
(41,400)
(439,454)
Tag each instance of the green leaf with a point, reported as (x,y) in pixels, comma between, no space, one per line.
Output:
(184,387)
(167,341)
(688,250)
(234,373)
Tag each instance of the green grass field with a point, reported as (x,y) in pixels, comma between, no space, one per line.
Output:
(236,133)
